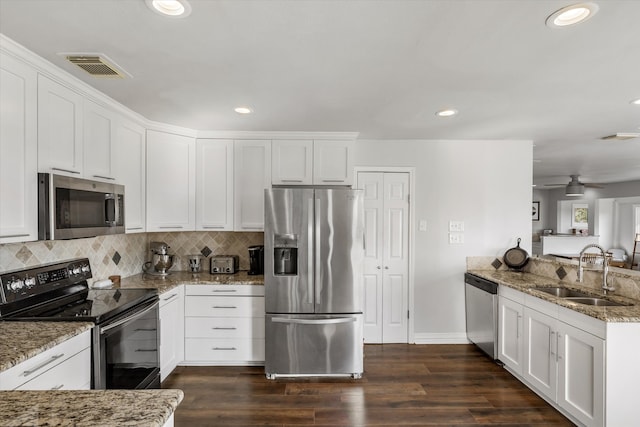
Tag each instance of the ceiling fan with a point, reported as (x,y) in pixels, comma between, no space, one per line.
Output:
(575,187)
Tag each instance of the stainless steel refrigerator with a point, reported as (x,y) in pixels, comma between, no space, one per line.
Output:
(313,257)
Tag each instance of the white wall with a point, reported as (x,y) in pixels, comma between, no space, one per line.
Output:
(486,184)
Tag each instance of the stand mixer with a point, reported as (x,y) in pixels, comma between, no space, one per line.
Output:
(160,262)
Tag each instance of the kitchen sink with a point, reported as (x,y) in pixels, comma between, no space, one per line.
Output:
(559,291)
(599,302)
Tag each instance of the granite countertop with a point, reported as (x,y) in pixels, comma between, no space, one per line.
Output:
(527,282)
(176,278)
(20,341)
(90,408)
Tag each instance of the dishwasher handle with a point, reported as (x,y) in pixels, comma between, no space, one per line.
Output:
(481,283)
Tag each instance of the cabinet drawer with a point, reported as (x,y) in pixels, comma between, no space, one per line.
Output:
(224,350)
(225,290)
(37,365)
(224,306)
(224,327)
(72,374)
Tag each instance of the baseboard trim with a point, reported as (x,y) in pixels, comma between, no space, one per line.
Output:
(441,338)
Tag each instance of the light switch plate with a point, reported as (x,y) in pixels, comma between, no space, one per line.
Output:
(456,226)
(456,238)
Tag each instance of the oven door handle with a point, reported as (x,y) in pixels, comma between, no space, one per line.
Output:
(111,326)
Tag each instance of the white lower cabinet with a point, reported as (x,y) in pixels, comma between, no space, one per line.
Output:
(171,330)
(224,324)
(557,352)
(510,336)
(67,366)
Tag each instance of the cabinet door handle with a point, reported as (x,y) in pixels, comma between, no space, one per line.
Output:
(42,365)
(170,226)
(223,348)
(13,235)
(58,387)
(552,350)
(333,180)
(518,326)
(224,306)
(134,228)
(558,341)
(104,177)
(219,328)
(291,180)
(213,227)
(65,170)
(224,290)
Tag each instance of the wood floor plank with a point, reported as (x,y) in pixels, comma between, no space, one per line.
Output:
(416,385)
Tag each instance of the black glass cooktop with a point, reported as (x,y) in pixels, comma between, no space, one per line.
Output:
(92,305)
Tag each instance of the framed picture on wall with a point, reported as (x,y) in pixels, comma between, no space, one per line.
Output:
(536,211)
(580,215)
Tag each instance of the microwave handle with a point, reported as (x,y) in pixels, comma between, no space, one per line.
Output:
(110,208)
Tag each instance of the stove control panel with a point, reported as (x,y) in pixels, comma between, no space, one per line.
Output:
(20,284)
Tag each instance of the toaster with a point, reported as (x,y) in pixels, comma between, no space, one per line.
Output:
(224,264)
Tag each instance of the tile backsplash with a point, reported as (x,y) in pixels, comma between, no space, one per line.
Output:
(124,254)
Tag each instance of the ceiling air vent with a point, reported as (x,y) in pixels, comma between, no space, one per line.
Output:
(621,136)
(97,65)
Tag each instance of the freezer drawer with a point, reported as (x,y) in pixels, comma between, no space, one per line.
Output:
(313,345)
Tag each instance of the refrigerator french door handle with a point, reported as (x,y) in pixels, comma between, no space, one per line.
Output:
(332,321)
(310,243)
(316,252)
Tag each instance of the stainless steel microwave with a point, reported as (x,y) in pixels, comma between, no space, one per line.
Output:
(71,208)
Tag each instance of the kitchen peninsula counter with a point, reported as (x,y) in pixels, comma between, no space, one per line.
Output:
(78,408)
(20,341)
(177,278)
(528,282)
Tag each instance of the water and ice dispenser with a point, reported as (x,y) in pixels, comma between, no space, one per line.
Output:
(285,254)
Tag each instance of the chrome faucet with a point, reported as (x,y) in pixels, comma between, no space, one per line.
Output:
(605,266)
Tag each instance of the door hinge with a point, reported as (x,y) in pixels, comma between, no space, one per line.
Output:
(408,199)
(407,314)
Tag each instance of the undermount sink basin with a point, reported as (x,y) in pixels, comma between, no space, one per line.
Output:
(599,302)
(561,292)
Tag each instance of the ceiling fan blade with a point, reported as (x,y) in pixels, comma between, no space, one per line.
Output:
(593,185)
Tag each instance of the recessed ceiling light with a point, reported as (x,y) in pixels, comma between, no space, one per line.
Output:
(447,113)
(243,110)
(636,101)
(170,8)
(571,15)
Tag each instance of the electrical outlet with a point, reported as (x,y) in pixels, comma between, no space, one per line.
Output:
(456,238)
(456,226)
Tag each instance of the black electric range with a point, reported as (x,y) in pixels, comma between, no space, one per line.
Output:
(125,340)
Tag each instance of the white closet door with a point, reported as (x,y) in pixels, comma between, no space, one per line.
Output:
(386,206)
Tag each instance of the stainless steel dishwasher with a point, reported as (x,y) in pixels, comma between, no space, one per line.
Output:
(481,306)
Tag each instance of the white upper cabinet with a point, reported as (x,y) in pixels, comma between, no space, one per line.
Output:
(252,174)
(171,183)
(214,184)
(333,162)
(312,162)
(292,162)
(59,129)
(18,151)
(129,166)
(99,140)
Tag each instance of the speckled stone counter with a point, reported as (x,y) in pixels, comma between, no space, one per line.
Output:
(527,282)
(20,341)
(177,278)
(104,408)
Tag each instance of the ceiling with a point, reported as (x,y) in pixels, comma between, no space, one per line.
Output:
(378,67)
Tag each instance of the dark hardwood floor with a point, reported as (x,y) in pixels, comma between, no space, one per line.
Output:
(402,385)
